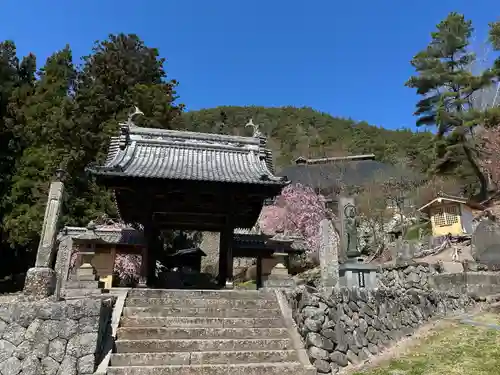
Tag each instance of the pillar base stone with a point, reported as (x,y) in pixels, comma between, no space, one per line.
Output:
(40,283)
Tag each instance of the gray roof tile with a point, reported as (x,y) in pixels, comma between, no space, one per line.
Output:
(179,155)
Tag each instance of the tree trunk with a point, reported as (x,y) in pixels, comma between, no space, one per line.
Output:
(483,182)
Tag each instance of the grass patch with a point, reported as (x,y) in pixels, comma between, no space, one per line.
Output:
(489,318)
(453,350)
(249,285)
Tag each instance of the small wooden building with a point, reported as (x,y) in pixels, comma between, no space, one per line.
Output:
(103,243)
(451,215)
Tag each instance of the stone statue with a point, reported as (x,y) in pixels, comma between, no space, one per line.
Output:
(351,231)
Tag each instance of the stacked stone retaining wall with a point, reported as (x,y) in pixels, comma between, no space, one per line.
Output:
(53,338)
(354,324)
(479,284)
(475,281)
(407,275)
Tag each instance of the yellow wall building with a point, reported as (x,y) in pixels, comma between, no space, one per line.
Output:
(450,215)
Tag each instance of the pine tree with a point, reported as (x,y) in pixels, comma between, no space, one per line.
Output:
(492,114)
(447,87)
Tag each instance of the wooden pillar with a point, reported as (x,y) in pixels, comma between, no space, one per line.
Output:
(258,272)
(154,247)
(226,257)
(144,268)
(230,259)
(223,262)
(109,281)
(226,248)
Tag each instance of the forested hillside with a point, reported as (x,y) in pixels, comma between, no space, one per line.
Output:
(294,132)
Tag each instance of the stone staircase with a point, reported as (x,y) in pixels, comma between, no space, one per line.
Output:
(79,289)
(81,284)
(181,332)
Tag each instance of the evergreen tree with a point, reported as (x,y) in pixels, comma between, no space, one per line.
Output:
(447,87)
(9,78)
(122,72)
(46,130)
(16,85)
(492,114)
(495,39)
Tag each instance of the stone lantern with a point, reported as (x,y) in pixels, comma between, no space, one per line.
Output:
(279,276)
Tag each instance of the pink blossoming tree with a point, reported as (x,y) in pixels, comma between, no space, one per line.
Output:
(297,211)
(128,267)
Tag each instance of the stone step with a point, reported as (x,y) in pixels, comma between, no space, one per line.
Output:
(286,368)
(84,278)
(202,302)
(81,292)
(199,358)
(76,284)
(199,345)
(160,311)
(209,294)
(186,322)
(153,333)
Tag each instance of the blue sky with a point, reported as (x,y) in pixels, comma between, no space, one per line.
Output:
(347,58)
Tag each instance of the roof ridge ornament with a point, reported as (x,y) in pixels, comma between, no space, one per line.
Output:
(130,120)
(256,132)
(126,126)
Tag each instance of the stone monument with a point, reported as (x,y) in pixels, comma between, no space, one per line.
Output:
(41,280)
(353,272)
(328,257)
(485,242)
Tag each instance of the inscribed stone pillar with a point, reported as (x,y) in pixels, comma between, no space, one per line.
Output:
(63,261)
(328,257)
(41,280)
(46,247)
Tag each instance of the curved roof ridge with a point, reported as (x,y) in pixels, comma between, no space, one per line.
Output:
(180,155)
(190,135)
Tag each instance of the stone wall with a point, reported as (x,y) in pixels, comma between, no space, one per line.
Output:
(407,275)
(352,325)
(424,276)
(52,338)
(480,284)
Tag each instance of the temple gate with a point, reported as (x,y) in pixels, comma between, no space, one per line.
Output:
(167,179)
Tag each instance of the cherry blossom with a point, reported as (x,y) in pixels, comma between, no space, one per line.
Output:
(297,211)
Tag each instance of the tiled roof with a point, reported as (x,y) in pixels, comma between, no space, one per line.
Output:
(181,155)
(106,234)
